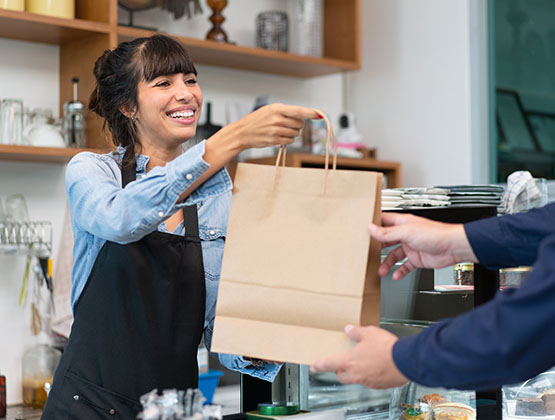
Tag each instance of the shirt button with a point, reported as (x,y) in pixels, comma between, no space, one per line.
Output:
(112,411)
(161,214)
(212,232)
(189,176)
(143,176)
(76,397)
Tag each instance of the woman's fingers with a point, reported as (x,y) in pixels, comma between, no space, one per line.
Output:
(297,111)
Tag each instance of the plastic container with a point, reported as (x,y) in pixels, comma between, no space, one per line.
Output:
(207,383)
(533,399)
(416,402)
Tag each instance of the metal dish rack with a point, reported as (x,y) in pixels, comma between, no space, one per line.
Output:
(26,238)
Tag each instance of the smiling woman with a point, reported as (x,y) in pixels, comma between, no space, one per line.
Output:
(149,224)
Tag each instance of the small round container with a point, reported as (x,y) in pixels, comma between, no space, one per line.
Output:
(513,277)
(463,274)
(18,5)
(56,8)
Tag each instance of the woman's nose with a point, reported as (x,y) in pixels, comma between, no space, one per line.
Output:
(183,93)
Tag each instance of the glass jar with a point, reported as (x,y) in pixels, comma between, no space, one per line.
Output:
(463,274)
(513,277)
(38,367)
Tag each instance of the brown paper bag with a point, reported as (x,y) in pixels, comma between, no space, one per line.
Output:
(299,263)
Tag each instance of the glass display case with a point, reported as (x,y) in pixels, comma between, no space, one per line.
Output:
(415,402)
(533,399)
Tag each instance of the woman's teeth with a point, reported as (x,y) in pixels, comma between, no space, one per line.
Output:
(182,114)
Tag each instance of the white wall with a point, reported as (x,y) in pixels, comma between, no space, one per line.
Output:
(413,96)
(30,71)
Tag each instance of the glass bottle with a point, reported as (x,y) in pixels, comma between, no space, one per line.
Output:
(41,359)
(2,396)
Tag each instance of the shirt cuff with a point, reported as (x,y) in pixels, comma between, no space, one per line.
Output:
(267,372)
(484,238)
(188,167)
(403,355)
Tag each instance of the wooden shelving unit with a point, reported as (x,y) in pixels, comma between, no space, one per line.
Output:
(83,39)
(253,59)
(36,28)
(391,170)
(40,154)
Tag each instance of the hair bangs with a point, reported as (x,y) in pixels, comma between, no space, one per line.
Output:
(163,56)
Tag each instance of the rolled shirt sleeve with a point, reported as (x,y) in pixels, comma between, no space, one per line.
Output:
(126,215)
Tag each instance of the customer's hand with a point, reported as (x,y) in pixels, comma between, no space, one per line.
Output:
(423,242)
(269,125)
(369,363)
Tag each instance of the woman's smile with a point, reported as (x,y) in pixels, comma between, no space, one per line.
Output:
(183,115)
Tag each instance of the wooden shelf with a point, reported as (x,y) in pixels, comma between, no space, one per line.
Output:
(248,58)
(26,26)
(392,170)
(40,154)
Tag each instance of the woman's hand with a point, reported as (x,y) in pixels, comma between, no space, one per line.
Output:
(270,125)
(267,126)
(423,242)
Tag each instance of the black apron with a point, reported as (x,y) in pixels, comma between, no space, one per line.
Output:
(137,326)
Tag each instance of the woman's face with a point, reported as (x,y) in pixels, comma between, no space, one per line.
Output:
(168,109)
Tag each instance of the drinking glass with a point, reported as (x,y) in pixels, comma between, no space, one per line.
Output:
(17,218)
(16,208)
(11,121)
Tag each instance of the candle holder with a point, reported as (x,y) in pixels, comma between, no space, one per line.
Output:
(217,33)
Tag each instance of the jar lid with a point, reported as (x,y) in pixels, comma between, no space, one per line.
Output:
(522,269)
(464,267)
(278,410)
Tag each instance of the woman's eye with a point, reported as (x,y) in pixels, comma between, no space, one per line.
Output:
(191,82)
(162,84)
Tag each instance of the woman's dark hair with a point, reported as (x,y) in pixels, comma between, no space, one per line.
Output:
(118,73)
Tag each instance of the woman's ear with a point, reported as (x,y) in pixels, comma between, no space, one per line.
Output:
(129,112)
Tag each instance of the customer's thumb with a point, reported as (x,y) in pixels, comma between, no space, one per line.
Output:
(354,332)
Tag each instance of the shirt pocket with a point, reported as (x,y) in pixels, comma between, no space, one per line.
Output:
(213,241)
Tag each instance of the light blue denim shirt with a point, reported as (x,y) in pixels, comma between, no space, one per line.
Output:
(101,210)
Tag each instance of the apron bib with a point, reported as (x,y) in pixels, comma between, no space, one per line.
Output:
(137,326)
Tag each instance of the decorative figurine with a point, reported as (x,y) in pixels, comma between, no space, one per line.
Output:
(217,33)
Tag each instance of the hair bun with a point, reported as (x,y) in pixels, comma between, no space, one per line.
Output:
(100,64)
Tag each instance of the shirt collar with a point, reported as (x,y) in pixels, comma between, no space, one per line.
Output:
(142,160)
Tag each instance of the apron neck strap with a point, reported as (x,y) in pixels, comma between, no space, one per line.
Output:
(190,214)
(190,221)
(128,173)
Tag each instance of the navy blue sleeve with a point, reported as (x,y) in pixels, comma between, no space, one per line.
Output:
(511,240)
(507,340)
